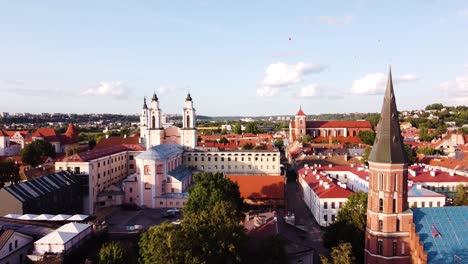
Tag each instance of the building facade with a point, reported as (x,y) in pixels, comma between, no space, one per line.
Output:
(14,247)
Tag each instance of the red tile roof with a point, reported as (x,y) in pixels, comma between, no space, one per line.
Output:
(423,174)
(322,191)
(94,154)
(339,124)
(132,143)
(3,134)
(259,186)
(300,112)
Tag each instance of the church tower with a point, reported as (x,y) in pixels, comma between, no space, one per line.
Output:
(144,118)
(388,214)
(300,123)
(189,135)
(155,131)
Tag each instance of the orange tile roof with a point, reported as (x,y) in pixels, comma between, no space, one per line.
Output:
(300,112)
(94,154)
(129,142)
(259,186)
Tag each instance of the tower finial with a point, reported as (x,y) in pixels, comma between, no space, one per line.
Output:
(155,97)
(145,106)
(188,98)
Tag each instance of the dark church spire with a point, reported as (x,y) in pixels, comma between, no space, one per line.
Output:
(155,97)
(145,106)
(388,146)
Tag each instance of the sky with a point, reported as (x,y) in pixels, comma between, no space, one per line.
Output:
(249,58)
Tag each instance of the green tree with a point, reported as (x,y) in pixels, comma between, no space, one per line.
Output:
(31,154)
(237,128)
(272,251)
(307,138)
(260,147)
(9,172)
(112,253)
(367,137)
(373,119)
(350,225)
(210,188)
(223,140)
(341,254)
(410,154)
(436,106)
(223,131)
(279,143)
(365,155)
(164,243)
(251,127)
(461,195)
(248,146)
(428,151)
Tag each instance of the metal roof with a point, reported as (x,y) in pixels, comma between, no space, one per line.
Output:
(34,188)
(388,145)
(452,225)
(180,173)
(161,152)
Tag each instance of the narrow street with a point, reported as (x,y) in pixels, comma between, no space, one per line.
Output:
(305,218)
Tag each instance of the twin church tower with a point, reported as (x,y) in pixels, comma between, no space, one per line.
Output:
(152,132)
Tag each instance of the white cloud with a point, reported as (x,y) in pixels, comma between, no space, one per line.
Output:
(457,90)
(169,89)
(310,91)
(406,78)
(281,75)
(329,20)
(114,89)
(375,83)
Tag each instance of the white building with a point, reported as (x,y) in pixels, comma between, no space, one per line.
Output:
(14,246)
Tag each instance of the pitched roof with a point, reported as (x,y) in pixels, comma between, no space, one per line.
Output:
(94,154)
(300,112)
(3,134)
(159,152)
(450,222)
(388,144)
(132,143)
(339,124)
(5,236)
(259,186)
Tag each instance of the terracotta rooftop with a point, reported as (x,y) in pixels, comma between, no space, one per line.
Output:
(259,186)
(300,112)
(94,154)
(132,143)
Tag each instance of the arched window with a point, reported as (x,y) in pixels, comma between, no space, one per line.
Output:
(380,205)
(380,247)
(394,205)
(380,225)
(153,122)
(398,225)
(188,121)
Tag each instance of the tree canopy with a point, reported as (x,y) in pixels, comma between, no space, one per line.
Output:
(428,151)
(461,195)
(367,137)
(341,254)
(237,128)
(112,253)
(350,225)
(31,154)
(211,188)
(224,140)
(9,172)
(248,146)
(251,127)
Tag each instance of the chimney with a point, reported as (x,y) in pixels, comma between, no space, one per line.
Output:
(317,177)
(452,173)
(412,172)
(305,173)
(125,136)
(330,165)
(320,182)
(418,186)
(433,173)
(352,165)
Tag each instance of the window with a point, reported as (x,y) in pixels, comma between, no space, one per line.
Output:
(325,218)
(109,197)
(333,205)
(333,218)
(170,203)
(131,199)
(325,205)
(131,166)
(394,249)
(398,225)
(380,225)
(131,189)
(130,157)
(438,204)
(380,181)
(380,247)
(216,159)
(394,205)
(380,205)
(77,170)
(16,243)
(161,203)
(423,204)
(430,204)
(172,189)
(340,205)
(415,204)
(10,246)
(99,164)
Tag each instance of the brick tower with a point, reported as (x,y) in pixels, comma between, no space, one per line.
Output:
(300,123)
(388,215)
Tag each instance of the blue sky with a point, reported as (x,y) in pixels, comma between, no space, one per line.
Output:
(235,57)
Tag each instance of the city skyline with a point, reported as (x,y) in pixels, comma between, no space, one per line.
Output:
(243,59)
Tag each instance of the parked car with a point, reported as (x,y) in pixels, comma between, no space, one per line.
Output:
(171,213)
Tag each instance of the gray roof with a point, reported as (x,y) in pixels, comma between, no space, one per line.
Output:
(388,145)
(42,185)
(161,152)
(174,195)
(180,173)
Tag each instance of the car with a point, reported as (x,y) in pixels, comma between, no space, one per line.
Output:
(171,213)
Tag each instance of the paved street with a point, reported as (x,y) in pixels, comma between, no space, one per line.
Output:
(304,217)
(119,219)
